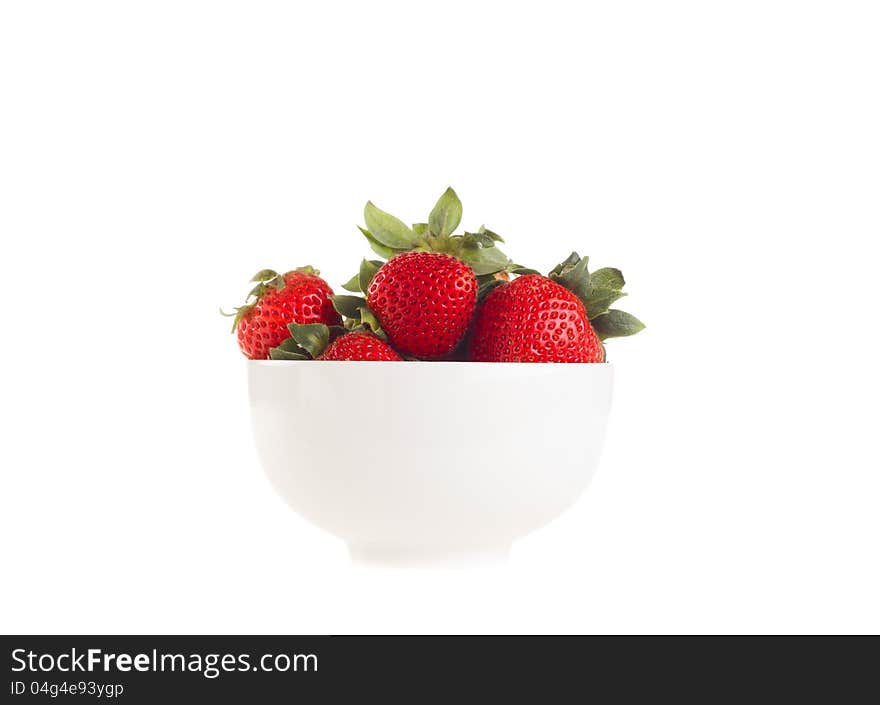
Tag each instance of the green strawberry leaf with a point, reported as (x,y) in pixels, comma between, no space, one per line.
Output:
(616,324)
(607,278)
(336,331)
(264,275)
(369,320)
(600,301)
(477,240)
(484,260)
(353,284)
(378,247)
(348,306)
(311,337)
(446,215)
(570,261)
(494,236)
(366,274)
(290,345)
(279,354)
(288,349)
(387,229)
(420,229)
(516,269)
(575,278)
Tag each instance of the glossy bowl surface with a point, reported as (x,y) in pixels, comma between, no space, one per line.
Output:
(413,461)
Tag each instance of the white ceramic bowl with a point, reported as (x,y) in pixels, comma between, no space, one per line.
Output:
(429,461)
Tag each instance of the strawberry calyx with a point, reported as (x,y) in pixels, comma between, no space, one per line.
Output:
(266,280)
(389,236)
(307,341)
(355,312)
(597,291)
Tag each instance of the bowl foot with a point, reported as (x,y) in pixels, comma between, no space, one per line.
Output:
(408,556)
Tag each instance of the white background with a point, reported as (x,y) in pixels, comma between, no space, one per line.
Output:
(726,156)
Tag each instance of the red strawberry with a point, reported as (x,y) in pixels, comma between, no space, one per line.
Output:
(533,319)
(563,318)
(299,296)
(359,346)
(424,302)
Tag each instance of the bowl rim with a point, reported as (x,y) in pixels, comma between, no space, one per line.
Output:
(431,363)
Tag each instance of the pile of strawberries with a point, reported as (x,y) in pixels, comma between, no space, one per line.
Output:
(435,296)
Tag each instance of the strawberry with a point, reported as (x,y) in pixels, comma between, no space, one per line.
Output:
(560,318)
(424,302)
(424,296)
(360,346)
(533,319)
(299,296)
(313,342)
